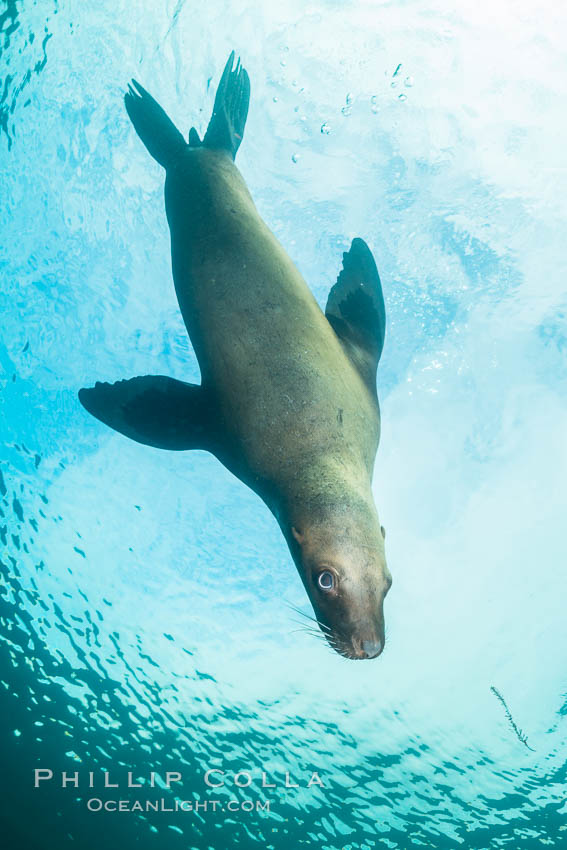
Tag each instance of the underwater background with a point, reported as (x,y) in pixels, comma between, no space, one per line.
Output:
(146,619)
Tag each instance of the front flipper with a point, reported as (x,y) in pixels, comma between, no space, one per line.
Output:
(155,410)
(355,309)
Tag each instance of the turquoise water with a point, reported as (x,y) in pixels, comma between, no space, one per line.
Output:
(145,609)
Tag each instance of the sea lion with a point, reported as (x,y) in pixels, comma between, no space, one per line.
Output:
(288,399)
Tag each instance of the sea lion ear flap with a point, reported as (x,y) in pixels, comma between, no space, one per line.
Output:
(355,309)
(154,410)
(299,537)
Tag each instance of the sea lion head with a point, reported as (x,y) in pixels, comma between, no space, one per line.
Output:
(342,563)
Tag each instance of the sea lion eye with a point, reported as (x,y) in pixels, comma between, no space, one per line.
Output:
(326,580)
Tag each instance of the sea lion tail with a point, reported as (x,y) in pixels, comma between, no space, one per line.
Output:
(226,126)
(157,131)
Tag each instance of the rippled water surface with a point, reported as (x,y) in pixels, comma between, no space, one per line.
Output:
(145,607)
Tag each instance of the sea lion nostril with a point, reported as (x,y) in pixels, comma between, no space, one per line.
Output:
(372,648)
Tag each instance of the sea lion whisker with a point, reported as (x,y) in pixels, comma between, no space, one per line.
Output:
(311,631)
(304,627)
(298,610)
(316,633)
(335,646)
(311,634)
(335,642)
(309,617)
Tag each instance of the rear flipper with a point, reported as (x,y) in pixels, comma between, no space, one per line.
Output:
(157,131)
(230,111)
(226,127)
(155,410)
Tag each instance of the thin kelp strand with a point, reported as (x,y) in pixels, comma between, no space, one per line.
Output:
(519,734)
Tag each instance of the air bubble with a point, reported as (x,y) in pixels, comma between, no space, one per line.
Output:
(295,157)
(326,128)
(402,96)
(346,110)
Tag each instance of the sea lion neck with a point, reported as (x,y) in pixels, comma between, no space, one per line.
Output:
(326,497)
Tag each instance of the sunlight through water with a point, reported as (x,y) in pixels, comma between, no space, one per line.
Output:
(147,598)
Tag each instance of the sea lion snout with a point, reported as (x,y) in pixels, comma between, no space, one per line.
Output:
(372,648)
(351,644)
(359,649)
(364,642)
(347,583)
